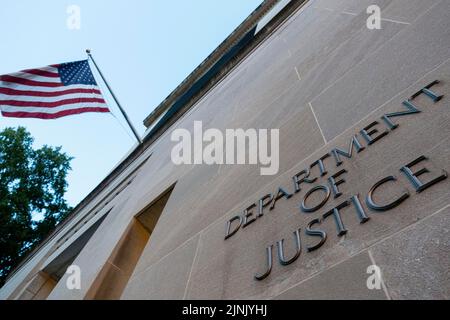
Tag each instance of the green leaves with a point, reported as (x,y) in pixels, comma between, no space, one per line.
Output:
(31,182)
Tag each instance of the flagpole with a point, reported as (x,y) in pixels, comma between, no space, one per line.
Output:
(88,51)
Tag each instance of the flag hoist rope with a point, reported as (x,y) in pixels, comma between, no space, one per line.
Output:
(138,138)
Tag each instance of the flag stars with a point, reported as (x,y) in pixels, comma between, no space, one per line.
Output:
(76,73)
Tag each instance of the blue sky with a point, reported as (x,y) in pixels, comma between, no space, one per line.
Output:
(145,48)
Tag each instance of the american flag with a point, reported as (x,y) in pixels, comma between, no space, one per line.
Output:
(51,92)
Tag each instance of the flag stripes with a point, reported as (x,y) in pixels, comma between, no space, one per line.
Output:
(51,92)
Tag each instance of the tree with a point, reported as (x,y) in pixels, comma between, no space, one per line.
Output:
(32,187)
